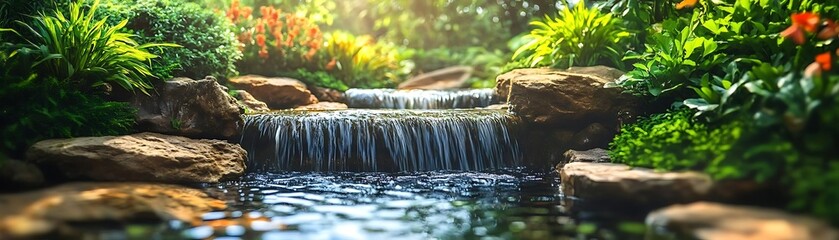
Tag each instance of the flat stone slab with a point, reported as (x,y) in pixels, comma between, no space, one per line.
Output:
(147,157)
(31,214)
(712,221)
(626,186)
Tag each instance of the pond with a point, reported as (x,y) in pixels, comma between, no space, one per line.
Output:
(506,204)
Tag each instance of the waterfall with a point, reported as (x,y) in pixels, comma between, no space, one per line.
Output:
(381,140)
(419,99)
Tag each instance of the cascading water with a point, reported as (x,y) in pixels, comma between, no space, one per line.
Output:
(381,140)
(419,99)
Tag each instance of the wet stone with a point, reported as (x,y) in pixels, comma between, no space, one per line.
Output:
(608,184)
(712,221)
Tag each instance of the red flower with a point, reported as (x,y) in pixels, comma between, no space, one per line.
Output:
(825,61)
(686,3)
(808,21)
(830,30)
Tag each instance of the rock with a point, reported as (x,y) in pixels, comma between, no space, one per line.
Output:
(593,136)
(597,155)
(447,78)
(147,157)
(498,107)
(566,98)
(190,108)
(278,93)
(618,184)
(16,175)
(323,106)
(328,95)
(713,221)
(250,102)
(27,215)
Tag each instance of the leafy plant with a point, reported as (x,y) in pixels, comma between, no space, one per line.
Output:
(673,60)
(39,107)
(579,36)
(87,53)
(209,46)
(675,140)
(361,62)
(274,41)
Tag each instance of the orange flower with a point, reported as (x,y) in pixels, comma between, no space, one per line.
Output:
(313,32)
(795,33)
(825,61)
(246,12)
(331,65)
(260,40)
(830,30)
(263,53)
(311,54)
(686,3)
(260,26)
(808,21)
(813,70)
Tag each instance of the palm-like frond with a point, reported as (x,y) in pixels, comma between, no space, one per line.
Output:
(89,53)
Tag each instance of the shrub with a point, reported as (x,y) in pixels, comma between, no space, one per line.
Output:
(38,107)
(579,36)
(362,63)
(674,140)
(209,45)
(89,54)
(275,42)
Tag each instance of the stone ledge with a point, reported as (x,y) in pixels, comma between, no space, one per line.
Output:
(712,221)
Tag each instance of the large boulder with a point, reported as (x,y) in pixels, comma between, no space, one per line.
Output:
(146,157)
(571,98)
(250,102)
(190,108)
(278,93)
(713,221)
(28,215)
(443,79)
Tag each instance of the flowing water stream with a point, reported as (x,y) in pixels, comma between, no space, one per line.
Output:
(420,99)
(389,174)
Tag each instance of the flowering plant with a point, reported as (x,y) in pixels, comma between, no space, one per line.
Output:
(274,42)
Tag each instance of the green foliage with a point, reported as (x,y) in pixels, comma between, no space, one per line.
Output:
(685,52)
(87,53)
(317,78)
(37,108)
(434,24)
(360,62)
(579,36)
(209,46)
(675,141)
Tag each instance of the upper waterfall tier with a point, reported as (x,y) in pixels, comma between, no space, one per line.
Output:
(381,140)
(419,99)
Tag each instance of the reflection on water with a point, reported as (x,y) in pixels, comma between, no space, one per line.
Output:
(447,205)
(433,205)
